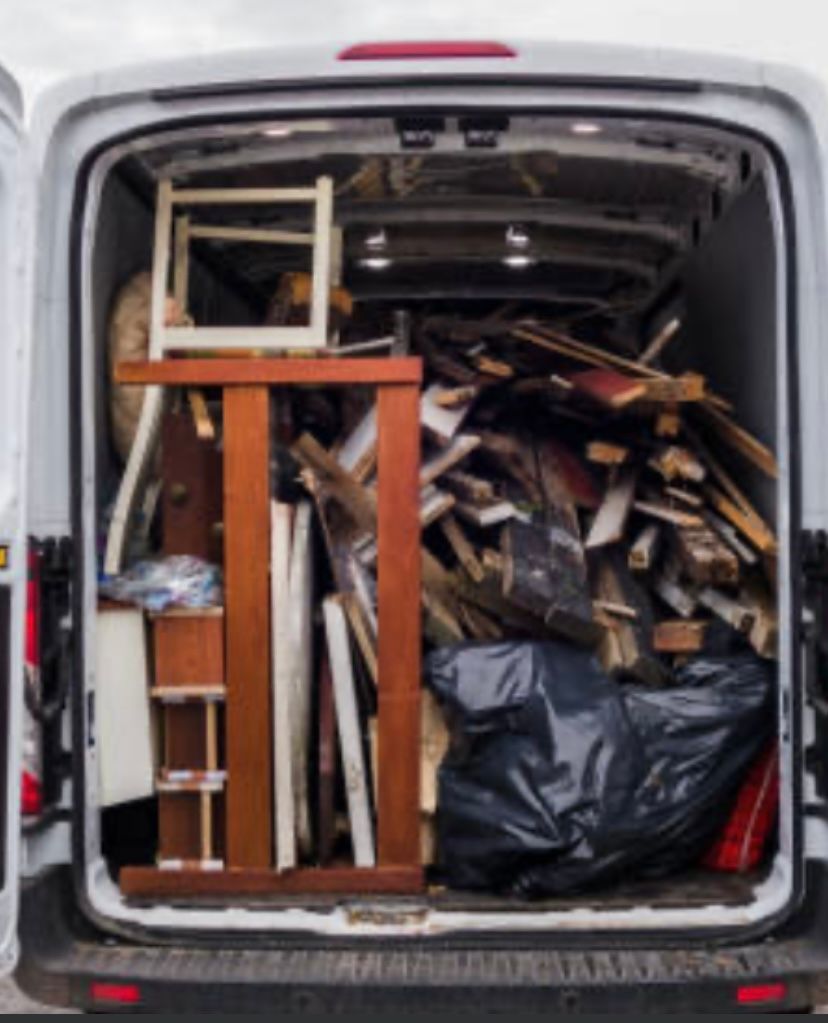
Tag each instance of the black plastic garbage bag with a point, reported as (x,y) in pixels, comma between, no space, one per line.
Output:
(559,778)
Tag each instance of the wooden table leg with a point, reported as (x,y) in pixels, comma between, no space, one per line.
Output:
(247,616)
(398,796)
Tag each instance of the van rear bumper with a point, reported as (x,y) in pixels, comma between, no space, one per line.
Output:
(62,959)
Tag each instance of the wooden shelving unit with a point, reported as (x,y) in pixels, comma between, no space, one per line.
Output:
(247,733)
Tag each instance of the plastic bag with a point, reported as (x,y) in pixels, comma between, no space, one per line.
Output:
(559,778)
(176,581)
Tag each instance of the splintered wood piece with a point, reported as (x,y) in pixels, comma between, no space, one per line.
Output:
(562,470)
(469,488)
(608,388)
(610,522)
(660,341)
(627,643)
(463,550)
(736,615)
(338,482)
(247,598)
(614,609)
(707,560)
(363,632)
(484,515)
(685,496)
(358,454)
(457,397)
(645,548)
(679,637)
(665,513)
(460,448)
(750,525)
(689,387)
(680,599)
(544,572)
(677,463)
(729,534)
(604,453)
(764,634)
(350,734)
(743,442)
(668,422)
(434,504)
(439,422)
(400,570)
(205,427)
(191,490)
(494,367)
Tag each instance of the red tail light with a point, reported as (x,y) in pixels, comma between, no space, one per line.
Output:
(31,785)
(443,50)
(115,994)
(761,994)
(31,795)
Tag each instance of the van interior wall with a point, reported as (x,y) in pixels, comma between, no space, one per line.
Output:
(123,248)
(730,332)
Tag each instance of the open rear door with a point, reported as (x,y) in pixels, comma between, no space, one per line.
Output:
(17,186)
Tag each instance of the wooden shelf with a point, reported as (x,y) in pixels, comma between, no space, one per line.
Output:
(274,371)
(151,882)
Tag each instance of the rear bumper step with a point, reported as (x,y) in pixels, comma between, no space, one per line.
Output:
(61,967)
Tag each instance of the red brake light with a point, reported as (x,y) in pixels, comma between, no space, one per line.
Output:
(115,994)
(760,994)
(445,50)
(32,652)
(31,795)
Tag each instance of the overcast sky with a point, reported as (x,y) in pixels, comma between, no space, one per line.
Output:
(41,40)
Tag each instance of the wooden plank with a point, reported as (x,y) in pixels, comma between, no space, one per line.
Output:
(678,463)
(247,603)
(666,514)
(459,449)
(749,525)
(241,372)
(706,558)
(734,614)
(605,453)
(326,765)
(350,734)
(301,681)
(645,548)
(660,341)
(611,520)
(152,883)
(679,637)
(743,442)
(399,596)
(284,810)
(463,550)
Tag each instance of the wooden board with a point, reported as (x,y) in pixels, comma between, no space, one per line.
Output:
(350,734)
(607,387)
(247,558)
(151,883)
(281,671)
(399,653)
(301,633)
(122,715)
(189,649)
(611,520)
(271,371)
(326,766)
(191,497)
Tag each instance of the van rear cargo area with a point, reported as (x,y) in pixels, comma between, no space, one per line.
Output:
(442,527)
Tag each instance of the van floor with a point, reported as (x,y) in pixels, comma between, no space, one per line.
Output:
(688,890)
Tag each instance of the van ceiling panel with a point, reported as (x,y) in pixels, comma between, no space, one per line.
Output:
(609,206)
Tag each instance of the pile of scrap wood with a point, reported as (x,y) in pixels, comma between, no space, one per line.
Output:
(567,491)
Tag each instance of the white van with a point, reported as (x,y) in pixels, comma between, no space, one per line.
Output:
(675,176)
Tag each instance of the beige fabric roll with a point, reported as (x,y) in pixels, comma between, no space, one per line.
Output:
(129,329)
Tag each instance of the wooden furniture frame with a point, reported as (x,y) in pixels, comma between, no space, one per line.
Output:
(246,386)
(164,339)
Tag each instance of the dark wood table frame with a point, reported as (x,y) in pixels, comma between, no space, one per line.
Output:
(245,384)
